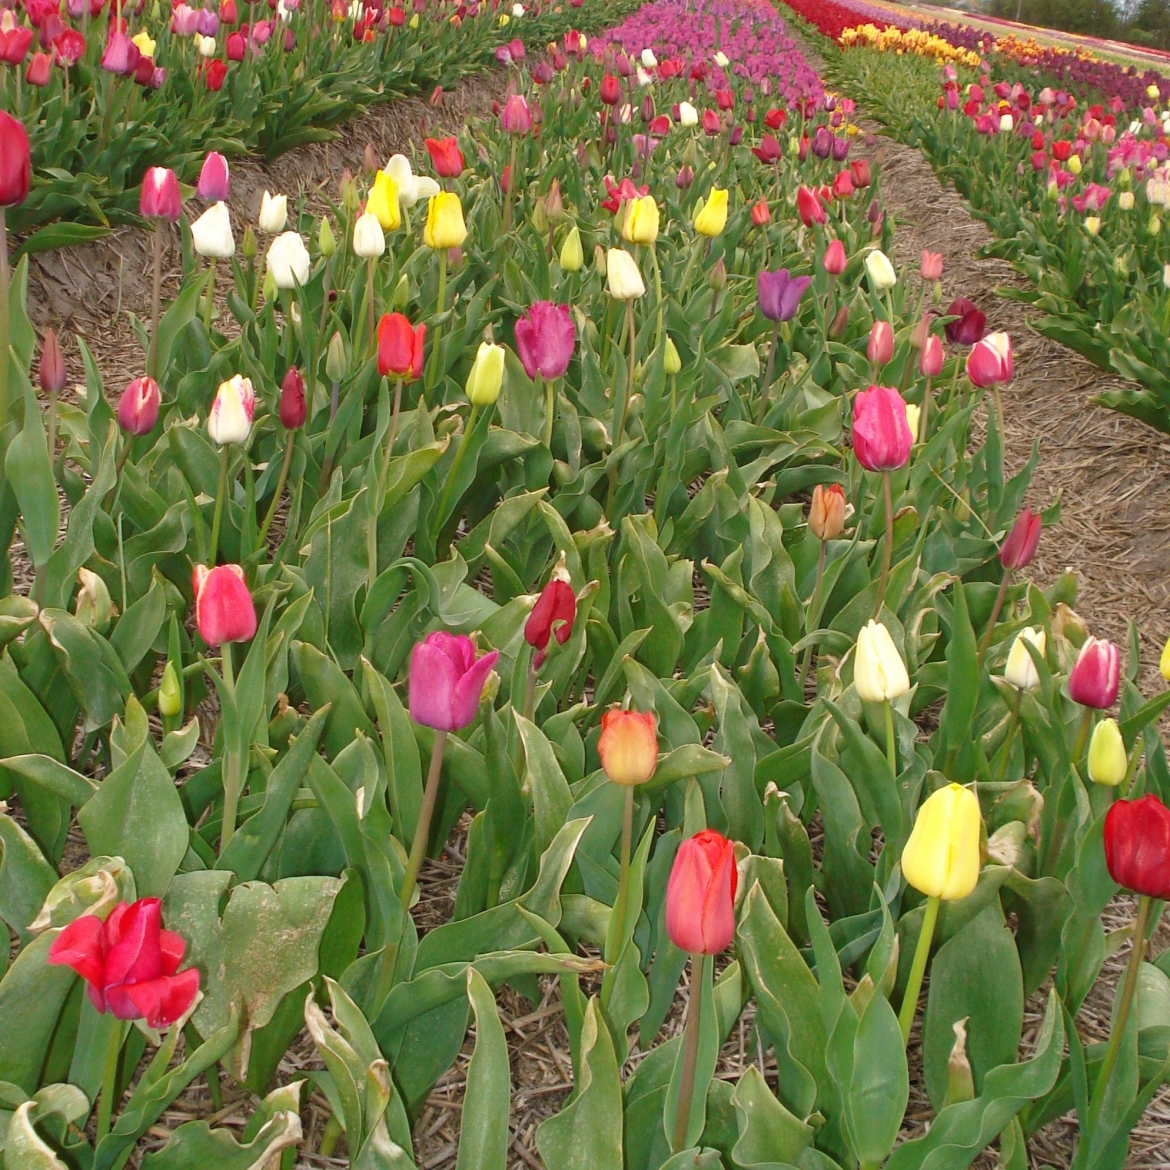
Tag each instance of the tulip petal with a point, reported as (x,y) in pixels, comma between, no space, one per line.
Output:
(79,946)
(465,700)
(136,956)
(718,920)
(432,683)
(159,1002)
(172,946)
(685,896)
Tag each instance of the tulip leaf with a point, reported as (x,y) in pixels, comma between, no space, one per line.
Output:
(25,877)
(879,1087)
(196,1143)
(33,992)
(28,470)
(962,676)
(734,740)
(551,798)
(702,984)
(324,682)
(24,1148)
(768,1133)
(483,1132)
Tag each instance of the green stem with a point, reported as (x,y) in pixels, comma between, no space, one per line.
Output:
(209,297)
(918,968)
(617,918)
(511,188)
(530,690)
(5,361)
(891,740)
(449,486)
(440,303)
(550,407)
(232,780)
(813,614)
(763,411)
(1011,735)
(888,547)
(330,1136)
(109,1080)
(1134,759)
(371,310)
(217,516)
(657,296)
(1082,734)
(621,428)
(686,1083)
(985,641)
(394,421)
(155,304)
(418,846)
(685,284)
(282,479)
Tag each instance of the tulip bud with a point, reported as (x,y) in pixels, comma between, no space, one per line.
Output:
(640,225)
(369,238)
(249,248)
(711,213)
(881,344)
(1092,224)
(1019,546)
(826,513)
(444,227)
(1107,759)
(686,176)
(552,616)
(94,607)
(623,278)
(672,363)
(1020,670)
(881,271)
(486,375)
(138,407)
(224,610)
(834,261)
(230,417)
(700,895)
(326,240)
(718,277)
(941,858)
(349,192)
(52,371)
(292,400)
(1125,201)
(628,746)
(839,323)
(273,213)
(879,674)
(930,360)
(335,360)
(1164,661)
(600,261)
(572,255)
(170,693)
(1095,678)
(1074,164)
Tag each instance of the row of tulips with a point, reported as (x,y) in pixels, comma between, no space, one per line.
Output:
(427,507)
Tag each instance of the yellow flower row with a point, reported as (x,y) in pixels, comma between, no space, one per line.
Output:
(919,42)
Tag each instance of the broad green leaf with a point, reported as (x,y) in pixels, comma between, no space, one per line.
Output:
(768,1133)
(483,1130)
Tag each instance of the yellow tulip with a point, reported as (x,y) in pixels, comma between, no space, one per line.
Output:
(487,375)
(146,46)
(572,254)
(1164,662)
(641,223)
(711,214)
(941,859)
(383,202)
(445,227)
(628,747)
(1107,760)
(623,279)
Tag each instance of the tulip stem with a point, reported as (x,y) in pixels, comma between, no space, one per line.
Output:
(1131,771)
(891,740)
(281,481)
(918,968)
(510,188)
(231,760)
(394,421)
(530,690)
(4,280)
(449,486)
(814,604)
(371,310)
(1011,735)
(617,917)
(217,516)
(923,423)
(771,366)
(1123,1008)
(550,403)
(621,427)
(888,547)
(685,285)
(209,297)
(657,297)
(155,304)
(1082,734)
(109,1080)
(985,641)
(418,846)
(440,301)
(686,1082)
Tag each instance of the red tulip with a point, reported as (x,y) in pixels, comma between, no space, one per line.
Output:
(235,46)
(446,157)
(228,14)
(138,406)
(610,91)
(160,198)
(842,185)
(859,169)
(446,680)
(760,213)
(711,122)
(144,71)
(881,344)
(400,347)
(292,400)
(216,74)
(69,47)
(834,260)
(15,44)
(971,323)
(930,360)
(659,126)
(1096,675)
(724,99)
(881,434)
(990,360)
(545,338)
(15,168)
(52,369)
(557,605)
(397,15)
(1019,546)
(129,963)
(768,151)
(809,206)
(700,896)
(224,611)
(775,118)
(1137,845)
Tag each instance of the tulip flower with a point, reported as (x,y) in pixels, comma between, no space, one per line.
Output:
(545,339)
(293,409)
(761,215)
(383,202)
(273,213)
(640,225)
(52,374)
(809,206)
(628,746)
(969,327)
(288,260)
(687,114)
(572,257)
(446,156)
(610,90)
(411,187)
(880,349)
(826,513)
(1019,546)
(879,674)
(1108,763)
(880,270)
(552,616)
(486,375)
(990,361)
(214,179)
(940,860)
(369,240)
(931,266)
(224,610)
(230,418)
(711,214)
(1020,670)
(160,198)
(15,174)
(623,279)
(515,117)
(931,357)
(834,261)
(1164,661)
(139,405)
(913,418)
(881,438)
(445,227)
(211,233)
(40,69)
(779,294)
(1095,678)
(400,347)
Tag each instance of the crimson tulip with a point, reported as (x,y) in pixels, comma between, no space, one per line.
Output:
(69,47)
(292,400)
(216,74)
(15,167)
(881,435)
(235,46)
(930,360)
(1137,845)
(775,118)
(768,151)
(760,213)
(834,261)
(859,169)
(138,406)
(545,338)
(971,323)
(446,157)
(446,680)
(1097,674)
(809,206)
(15,44)
(224,610)
(1019,546)
(400,347)
(552,615)
(881,344)
(711,123)
(228,13)
(990,361)
(842,185)
(130,964)
(610,90)
(52,370)
(700,895)
(160,197)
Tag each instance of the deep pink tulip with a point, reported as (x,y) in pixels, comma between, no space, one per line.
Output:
(881,434)
(971,323)
(809,206)
(545,337)
(930,360)
(160,198)
(990,360)
(214,179)
(292,400)
(15,165)
(39,70)
(1019,546)
(881,344)
(138,406)
(835,259)
(446,680)
(1096,675)
(224,610)
(700,895)
(515,117)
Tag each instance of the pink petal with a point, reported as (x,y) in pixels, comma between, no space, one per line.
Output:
(433,677)
(465,701)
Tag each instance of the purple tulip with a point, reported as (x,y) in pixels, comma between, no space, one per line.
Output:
(779,293)
(545,337)
(446,680)
(206,22)
(840,149)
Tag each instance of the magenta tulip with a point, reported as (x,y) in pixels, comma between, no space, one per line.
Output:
(214,179)
(515,117)
(930,360)
(1019,546)
(138,406)
(160,198)
(990,361)
(446,680)
(545,337)
(224,610)
(835,259)
(1096,675)
(881,344)
(881,434)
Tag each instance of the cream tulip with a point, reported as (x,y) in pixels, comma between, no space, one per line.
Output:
(622,276)
(230,417)
(369,240)
(273,213)
(211,233)
(288,260)
(879,674)
(881,271)
(1020,670)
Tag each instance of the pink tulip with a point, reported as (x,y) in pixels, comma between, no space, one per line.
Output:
(545,337)
(446,680)
(700,895)
(1019,546)
(835,259)
(138,406)
(990,361)
(932,265)
(214,178)
(224,611)
(515,117)
(881,434)
(1096,675)
(160,198)
(881,344)
(930,360)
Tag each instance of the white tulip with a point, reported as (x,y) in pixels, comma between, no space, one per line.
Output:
(273,213)
(230,417)
(288,260)
(648,58)
(879,674)
(1020,670)
(411,187)
(369,240)
(687,114)
(211,233)
(205,45)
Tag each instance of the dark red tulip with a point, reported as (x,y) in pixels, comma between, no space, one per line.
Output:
(1019,546)
(15,167)
(292,400)
(556,607)
(971,323)
(611,90)
(1137,845)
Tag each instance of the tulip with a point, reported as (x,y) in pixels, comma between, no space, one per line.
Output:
(400,347)
(826,513)
(52,375)
(445,228)
(15,168)
(761,215)
(326,240)
(545,339)
(382,202)
(552,616)
(293,408)
(809,206)
(881,438)
(1164,661)
(687,114)
(214,179)
(711,214)
(628,746)
(411,187)
(881,344)
(879,674)
(881,271)
(273,213)
(834,260)
(913,418)
(931,357)
(486,375)
(1020,670)
(40,70)
(711,123)
(932,265)
(572,256)
(686,176)
(138,407)
(369,240)
(671,362)
(640,225)
(779,294)
(941,860)
(990,361)
(700,895)
(288,260)
(211,233)
(610,90)
(623,279)
(446,157)
(969,327)
(1096,676)
(160,198)
(230,417)
(1019,547)
(224,610)
(515,117)
(1108,763)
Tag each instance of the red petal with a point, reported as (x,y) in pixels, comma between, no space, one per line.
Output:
(79,946)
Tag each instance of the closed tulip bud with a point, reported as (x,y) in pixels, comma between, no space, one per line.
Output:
(288,260)
(349,192)
(1137,845)
(293,408)
(1093,224)
(826,513)
(1097,674)
(1125,201)
(990,361)
(1074,164)
(671,362)
(40,70)
(881,434)
(552,617)
(273,213)
(230,417)
(628,746)
(383,202)
(486,375)
(687,114)
(15,165)
(160,198)
(641,223)
(622,276)
(1020,670)
(211,233)
(444,227)
(930,360)
(447,680)
(170,694)
(400,346)
(1164,661)
(138,407)
(335,360)
(326,240)
(913,417)
(881,271)
(369,240)
(224,610)
(1019,546)
(599,259)
(834,261)
(840,323)
(1107,759)
(941,858)
(214,179)
(52,370)
(94,608)
(249,248)
(711,213)
(760,213)
(1154,227)
(879,674)
(718,275)
(881,344)
(572,256)
(700,895)
(685,177)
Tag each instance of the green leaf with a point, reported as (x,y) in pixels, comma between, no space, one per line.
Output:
(962,676)
(551,798)
(196,1144)
(28,470)
(768,1133)
(25,877)
(24,1148)
(483,1131)
(880,1086)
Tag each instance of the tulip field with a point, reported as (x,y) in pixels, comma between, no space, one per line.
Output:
(561,589)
